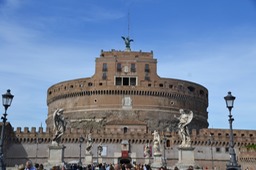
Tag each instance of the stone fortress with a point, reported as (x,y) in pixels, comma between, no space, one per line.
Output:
(121,105)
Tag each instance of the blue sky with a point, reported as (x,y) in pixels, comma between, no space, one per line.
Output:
(212,43)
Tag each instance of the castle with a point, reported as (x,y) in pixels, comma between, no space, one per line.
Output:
(123,102)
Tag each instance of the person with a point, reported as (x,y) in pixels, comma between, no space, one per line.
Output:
(37,166)
(117,167)
(21,167)
(184,120)
(29,165)
(111,167)
(59,123)
(176,168)
(191,168)
(41,167)
(148,167)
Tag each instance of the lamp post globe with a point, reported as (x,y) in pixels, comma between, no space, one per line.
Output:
(232,164)
(7,101)
(229,101)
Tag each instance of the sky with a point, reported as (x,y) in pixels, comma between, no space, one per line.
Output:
(212,43)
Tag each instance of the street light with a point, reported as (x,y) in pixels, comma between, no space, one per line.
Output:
(211,142)
(37,140)
(232,164)
(164,139)
(81,140)
(7,101)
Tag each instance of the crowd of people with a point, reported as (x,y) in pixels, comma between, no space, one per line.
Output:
(128,166)
(29,166)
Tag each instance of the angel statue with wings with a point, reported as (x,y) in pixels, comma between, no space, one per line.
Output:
(89,143)
(185,119)
(127,42)
(59,125)
(156,141)
(100,149)
(147,151)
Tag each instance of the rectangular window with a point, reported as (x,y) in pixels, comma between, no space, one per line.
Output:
(168,143)
(119,67)
(133,81)
(105,67)
(218,150)
(147,77)
(125,81)
(133,68)
(104,76)
(118,81)
(147,68)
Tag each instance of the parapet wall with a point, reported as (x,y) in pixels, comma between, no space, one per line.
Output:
(163,88)
(33,144)
(199,137)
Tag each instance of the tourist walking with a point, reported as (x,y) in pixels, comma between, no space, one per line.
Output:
(29,165)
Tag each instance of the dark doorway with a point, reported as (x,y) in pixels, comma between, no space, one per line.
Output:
(124,160)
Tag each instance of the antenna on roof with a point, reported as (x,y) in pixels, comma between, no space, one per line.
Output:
(128,23)
(127,39)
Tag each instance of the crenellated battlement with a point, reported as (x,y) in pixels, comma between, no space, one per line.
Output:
(137,135)
(199,137)
(132,54)
(220,137)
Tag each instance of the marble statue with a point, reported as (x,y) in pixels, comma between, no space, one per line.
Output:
(100,149)
(59,125)
(89,143)
(127,42)
(156,142)
(147,151)
(184,120)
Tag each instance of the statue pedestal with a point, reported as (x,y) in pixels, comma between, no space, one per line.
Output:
(56,154)
(88,159)
(147,161)
(100,160)
(186,158)
(158,162)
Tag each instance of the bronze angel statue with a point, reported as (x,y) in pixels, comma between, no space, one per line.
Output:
(127,42)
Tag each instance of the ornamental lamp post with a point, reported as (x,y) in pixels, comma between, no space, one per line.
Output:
(7,101)
(164,139)
(211,142)
(81,140)
(232,164)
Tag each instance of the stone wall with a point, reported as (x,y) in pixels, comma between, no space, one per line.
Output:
(33,145)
